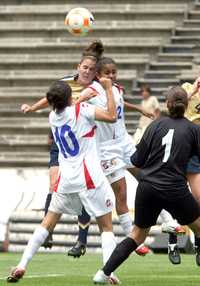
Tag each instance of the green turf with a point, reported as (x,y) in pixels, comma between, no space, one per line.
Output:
(152,270)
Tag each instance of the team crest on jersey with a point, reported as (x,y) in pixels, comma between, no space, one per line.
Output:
(108,164)
(108,203)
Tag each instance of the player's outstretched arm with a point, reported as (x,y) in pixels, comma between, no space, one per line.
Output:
(138,108)
(41,104)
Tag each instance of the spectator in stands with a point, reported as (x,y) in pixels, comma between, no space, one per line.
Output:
(150,104)
(81,180)
(162,154)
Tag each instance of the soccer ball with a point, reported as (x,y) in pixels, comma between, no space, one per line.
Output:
(79,21)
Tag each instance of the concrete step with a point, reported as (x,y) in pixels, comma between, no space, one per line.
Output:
(191,23)
(166,74)
(169,65)
(107,11)
(87,2)
(175,57)
(187,31)
(194,14)
(178,48)
(23,142)
(76,45)
(165,83)
(46,74)
(189,76)
(18,78)
(136,98)
(189,39)
(66,61)
(22,126)
(18,95)
(24,159)
(155,90)
(58,26)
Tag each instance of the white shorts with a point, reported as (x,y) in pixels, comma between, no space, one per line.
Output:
(97,202)
(116,176)
(128,148)
(111,157)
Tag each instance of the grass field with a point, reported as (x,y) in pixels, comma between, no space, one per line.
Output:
(51,269)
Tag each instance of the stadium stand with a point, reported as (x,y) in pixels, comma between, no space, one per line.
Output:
(153,43)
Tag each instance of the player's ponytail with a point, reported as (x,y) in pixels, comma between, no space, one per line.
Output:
(177,101)
(59,96)
(93,51)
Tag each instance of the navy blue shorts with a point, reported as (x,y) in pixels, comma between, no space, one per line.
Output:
(193,165)
(53,155)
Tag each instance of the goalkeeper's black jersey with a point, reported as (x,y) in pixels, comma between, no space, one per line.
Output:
(164,151)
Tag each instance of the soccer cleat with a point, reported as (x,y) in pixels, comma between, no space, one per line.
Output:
(173,227)
(113,279)
(77,250)
(174,254)
(102,279)
(16,274)
(197,250)
(142,250)
(48,243)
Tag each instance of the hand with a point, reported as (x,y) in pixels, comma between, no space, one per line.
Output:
(25,108)
(105,82)
(196,86)
(149,114)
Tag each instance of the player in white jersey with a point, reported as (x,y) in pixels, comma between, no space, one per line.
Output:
(82,181)
(115,145)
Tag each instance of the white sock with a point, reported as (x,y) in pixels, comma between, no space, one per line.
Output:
(108,244)
(126,223)
(38,237)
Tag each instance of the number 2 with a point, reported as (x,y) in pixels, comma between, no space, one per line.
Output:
(167,141)
(119,112)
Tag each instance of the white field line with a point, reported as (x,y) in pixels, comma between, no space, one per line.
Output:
(39,276)
(129,277)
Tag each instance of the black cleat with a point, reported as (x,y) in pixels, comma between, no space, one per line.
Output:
(174,254)
(48,243)
(77,250)
(197,250)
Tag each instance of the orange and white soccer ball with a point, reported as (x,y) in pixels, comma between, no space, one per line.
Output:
(79,21)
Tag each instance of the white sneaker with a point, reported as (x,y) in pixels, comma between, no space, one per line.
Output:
(172,227)
(100,278)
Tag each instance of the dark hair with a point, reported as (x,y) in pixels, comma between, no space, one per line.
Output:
(93,51)
(104,61)
(145,87)
(177,101)
(58,95)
